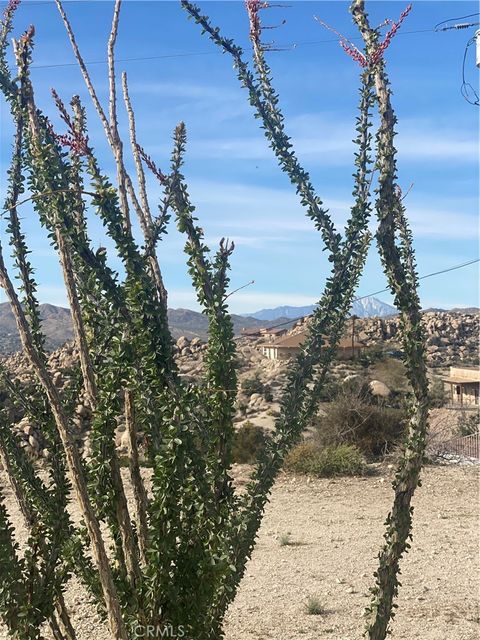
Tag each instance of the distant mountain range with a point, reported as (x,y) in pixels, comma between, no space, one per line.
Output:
(364,308)
(183,322)
(58,327)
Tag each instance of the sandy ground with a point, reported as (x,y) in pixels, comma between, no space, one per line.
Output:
(336,528)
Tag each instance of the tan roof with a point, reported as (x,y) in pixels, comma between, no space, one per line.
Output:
(296,341)
(290,342)
(251,331)
(457,380)
(274,331)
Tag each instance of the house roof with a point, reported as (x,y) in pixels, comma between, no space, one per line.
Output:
(250,331)
(296,341)
(290,342)
(274,331)
(463,375)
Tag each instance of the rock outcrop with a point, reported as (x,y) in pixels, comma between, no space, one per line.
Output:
(452,339)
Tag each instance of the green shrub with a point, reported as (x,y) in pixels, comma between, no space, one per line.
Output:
(341,460)
(252,385)
(329,390)
(248,441)
(285,540)
(371,355)
(242,408)
(355,418)
(391,371)
(267,393)
(314,606)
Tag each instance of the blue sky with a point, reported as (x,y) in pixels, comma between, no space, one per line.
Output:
(233,177)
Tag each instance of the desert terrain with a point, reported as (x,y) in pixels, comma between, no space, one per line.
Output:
(334,529)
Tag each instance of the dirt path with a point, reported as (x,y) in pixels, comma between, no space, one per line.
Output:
(336,529)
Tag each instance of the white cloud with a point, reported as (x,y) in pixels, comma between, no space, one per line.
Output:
(426,145)
(254,301)
(431,222)
(264,214)
(242,206)
(319,140)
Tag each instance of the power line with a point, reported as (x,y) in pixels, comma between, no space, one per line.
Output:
(375,293)
(467,91)
(455,26)
(139,59)
(282,48)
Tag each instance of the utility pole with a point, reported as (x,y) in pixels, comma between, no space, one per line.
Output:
(354,317)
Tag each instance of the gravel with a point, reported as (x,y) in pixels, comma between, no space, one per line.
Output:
(335,530)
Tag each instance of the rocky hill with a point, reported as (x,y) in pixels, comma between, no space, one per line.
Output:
(452,339)
(452,336)
(58,327)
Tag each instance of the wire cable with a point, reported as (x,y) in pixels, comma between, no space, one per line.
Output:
(139,59)
(281,48)
(470,15)
(375,293)
(467,91)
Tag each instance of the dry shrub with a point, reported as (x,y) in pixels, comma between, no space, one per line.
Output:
(392,372)
(353,418)
(339,460)
(248,441)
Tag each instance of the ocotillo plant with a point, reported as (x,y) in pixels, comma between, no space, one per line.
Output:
(394,241)
(172,563)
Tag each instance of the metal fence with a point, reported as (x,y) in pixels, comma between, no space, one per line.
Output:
(466,446)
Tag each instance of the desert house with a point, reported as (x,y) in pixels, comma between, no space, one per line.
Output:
(273,333)
(463,384)
(289,346)
(251,332)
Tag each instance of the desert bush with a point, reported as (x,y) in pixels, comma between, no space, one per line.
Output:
(371,355)
(330,389)
(354,419)
(248,442)
(325,462)
(285,540)
(314,606)
(392,372)
(267,393)
(468,423)
(252,385)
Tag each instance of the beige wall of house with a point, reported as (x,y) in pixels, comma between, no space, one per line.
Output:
(345,353)
(465,393)
(463,385)
(469,373)
(270,352)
